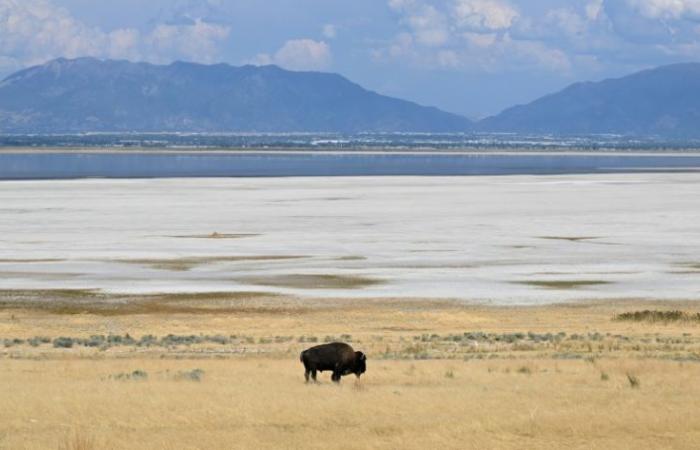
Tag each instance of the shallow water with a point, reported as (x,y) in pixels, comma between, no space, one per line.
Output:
(167,164)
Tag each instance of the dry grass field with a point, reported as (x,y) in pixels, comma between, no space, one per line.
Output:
(221,371)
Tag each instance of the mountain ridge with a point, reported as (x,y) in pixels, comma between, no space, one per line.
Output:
(92,95)
(88,94)
(660,101)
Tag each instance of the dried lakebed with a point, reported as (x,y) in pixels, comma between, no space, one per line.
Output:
(500,240)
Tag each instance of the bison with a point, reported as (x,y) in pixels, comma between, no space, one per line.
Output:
(337,357)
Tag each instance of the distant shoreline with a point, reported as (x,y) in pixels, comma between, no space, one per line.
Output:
(348,142)
(563,151)
(98,163)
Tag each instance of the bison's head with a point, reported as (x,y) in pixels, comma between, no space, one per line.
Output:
(360,364)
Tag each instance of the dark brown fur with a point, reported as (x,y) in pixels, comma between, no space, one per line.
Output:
(337,357)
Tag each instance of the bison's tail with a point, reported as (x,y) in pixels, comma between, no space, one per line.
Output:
(301,356)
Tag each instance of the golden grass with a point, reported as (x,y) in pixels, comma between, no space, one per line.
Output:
(251,393)
(78,441)
(263,403)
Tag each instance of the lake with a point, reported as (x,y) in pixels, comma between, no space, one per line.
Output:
(47,164)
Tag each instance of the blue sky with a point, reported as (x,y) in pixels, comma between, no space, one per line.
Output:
(473,57)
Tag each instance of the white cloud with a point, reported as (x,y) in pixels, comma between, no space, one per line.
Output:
(33,31)
(402,4)
(124,43)
(330,31)
(485,14)
(483,40)
(567,20)
(562,36)
(538,54)
(448,58)
(402,46)
(429,25)
(197,42)
(667,9)
(594,8)
(299,54)
(470,34)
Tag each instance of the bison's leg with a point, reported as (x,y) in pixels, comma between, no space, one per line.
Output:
(310,370)
(336,376)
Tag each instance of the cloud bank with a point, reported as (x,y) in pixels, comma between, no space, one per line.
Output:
(557,36)
(299,54)
(33,31)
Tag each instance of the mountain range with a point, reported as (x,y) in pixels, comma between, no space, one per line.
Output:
(87,94)
(664,101)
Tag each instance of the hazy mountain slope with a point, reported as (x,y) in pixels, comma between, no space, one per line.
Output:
(87,94)
(663,101)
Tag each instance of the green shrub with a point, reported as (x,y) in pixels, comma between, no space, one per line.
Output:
(63,342)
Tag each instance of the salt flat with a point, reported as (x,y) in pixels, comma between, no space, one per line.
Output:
(503,240)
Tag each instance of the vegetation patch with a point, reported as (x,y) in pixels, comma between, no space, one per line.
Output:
(136,375)
(658,316)
(474,345)
(314,281)
(104,342)
(43,276)
(190,375)
(525,370)
(71,302)
(570,238)
(188,263)
(633,380)
(563,284)
(29,261)
(32,295)
(687,269)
